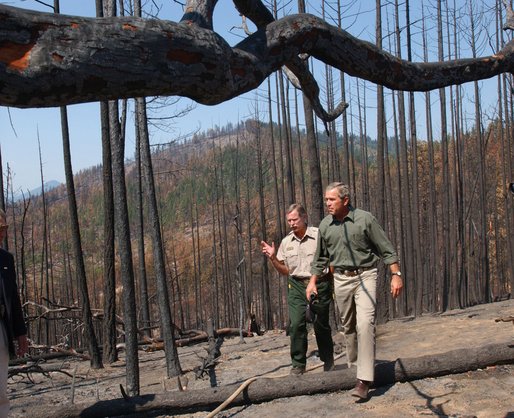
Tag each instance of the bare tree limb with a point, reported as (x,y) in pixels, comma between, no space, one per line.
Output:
(37,368)
(296,71)
(53,60)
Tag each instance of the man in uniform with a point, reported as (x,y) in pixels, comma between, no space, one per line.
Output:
(293,259)
(352,242)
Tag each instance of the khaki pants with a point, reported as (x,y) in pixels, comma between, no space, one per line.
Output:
(356,301)
(4,364)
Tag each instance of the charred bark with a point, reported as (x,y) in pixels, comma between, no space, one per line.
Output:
(52,60)
(267,389)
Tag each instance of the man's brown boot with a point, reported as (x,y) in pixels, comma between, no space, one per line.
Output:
(361,389)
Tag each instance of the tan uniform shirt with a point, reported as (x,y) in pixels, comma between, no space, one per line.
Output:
(297,254)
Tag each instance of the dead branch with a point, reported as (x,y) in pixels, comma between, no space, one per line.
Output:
(38,368)
(198,337)
(54,310)
(53,352)
(213,352)
(52,60)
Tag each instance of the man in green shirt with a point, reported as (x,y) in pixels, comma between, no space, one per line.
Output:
(293,259)
(352,242)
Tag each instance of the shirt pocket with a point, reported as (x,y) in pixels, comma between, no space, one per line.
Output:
(358,240)
(291,259)
(309,255)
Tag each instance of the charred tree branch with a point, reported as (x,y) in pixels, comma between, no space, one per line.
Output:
(53,60)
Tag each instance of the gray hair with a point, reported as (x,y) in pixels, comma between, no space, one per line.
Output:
(297,207)
(342,189)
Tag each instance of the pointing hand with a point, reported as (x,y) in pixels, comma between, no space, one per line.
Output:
(268,250)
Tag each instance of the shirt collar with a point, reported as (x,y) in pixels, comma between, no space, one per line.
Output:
(350,216)
(308,234)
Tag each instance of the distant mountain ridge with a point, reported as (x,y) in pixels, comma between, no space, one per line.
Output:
(49,185)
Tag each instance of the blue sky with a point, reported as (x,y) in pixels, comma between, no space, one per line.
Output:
(20,128)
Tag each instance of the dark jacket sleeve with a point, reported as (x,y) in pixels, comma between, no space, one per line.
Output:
(18,322)
(14,321)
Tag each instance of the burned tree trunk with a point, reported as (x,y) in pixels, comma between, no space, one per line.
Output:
(267,389)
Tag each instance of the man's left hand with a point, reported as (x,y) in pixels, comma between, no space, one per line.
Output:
(396,286)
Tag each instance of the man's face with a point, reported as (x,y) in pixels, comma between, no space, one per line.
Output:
(297,223)
(335,205)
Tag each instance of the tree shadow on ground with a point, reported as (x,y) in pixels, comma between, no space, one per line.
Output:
(387,371)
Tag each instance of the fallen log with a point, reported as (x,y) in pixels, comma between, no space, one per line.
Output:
(266,389)
(57,353)
(202,337)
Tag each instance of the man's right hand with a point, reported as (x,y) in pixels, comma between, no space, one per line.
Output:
(311,287)
(268,250)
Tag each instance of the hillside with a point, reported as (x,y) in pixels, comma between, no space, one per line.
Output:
(219,194)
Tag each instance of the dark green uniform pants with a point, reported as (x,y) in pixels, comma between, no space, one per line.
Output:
(298,325)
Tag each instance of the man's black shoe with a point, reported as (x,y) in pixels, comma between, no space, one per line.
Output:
(297,370)
(328,366)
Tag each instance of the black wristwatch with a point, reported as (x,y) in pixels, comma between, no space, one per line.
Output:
(398,273)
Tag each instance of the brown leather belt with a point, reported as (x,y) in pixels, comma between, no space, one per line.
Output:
(352,272)
(323,278)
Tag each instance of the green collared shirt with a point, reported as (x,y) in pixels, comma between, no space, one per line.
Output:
(357,241)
